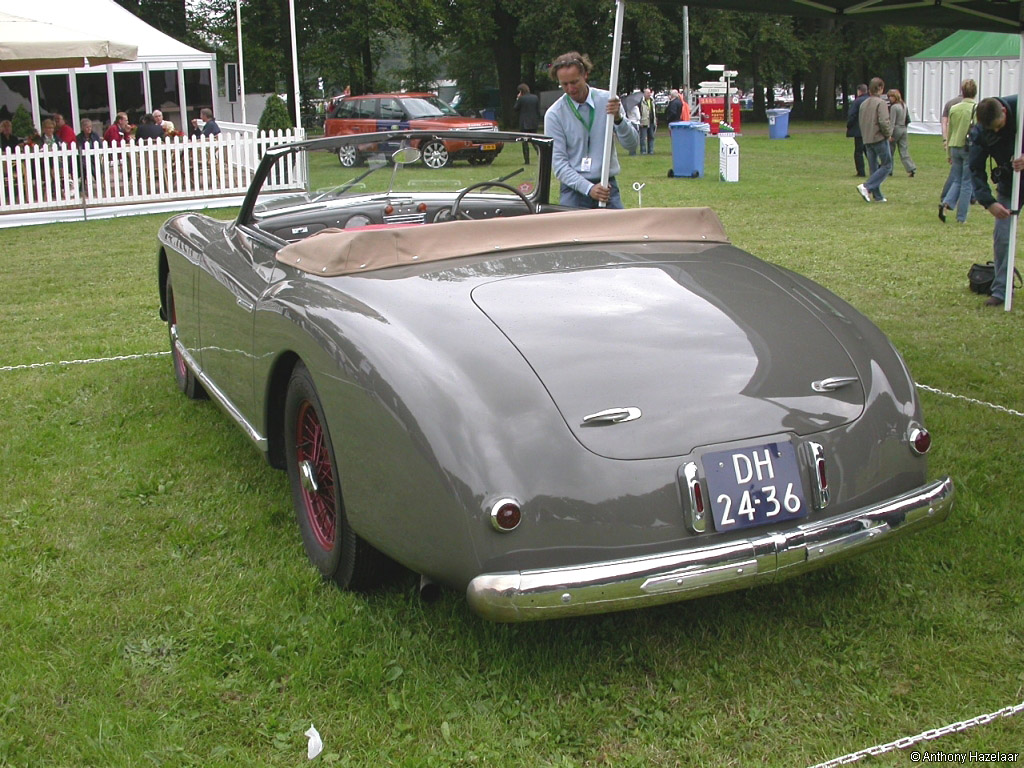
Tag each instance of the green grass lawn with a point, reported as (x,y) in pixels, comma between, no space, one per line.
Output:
(157,608)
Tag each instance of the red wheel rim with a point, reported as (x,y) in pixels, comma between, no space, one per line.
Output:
(311,447)
(179,361)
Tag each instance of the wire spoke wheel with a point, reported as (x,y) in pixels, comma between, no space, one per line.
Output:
(331,545)
(318,491)
(183,375)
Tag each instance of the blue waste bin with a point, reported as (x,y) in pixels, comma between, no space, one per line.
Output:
(687,149)
(778,123)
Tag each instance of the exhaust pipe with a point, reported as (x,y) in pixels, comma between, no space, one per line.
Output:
(430,590)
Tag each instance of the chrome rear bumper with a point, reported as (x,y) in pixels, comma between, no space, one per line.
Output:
(685,574)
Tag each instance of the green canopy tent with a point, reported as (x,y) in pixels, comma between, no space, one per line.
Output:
(934,75)
(983,15)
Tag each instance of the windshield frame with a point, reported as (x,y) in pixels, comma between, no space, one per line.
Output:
(247,217)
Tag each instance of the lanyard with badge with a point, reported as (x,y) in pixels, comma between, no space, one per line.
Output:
(586,163)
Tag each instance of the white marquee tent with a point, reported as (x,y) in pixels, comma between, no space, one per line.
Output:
(169,75)
(991,59)
(29,44)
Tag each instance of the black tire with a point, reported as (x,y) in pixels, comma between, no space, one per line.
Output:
(183,376)
(332,546)
(348,156)
(435,154)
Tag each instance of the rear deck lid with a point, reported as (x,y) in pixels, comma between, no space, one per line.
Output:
(707,351)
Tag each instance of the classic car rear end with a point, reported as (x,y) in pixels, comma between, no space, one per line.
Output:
(583,412)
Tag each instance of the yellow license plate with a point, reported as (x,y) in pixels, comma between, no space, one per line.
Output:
(488,147)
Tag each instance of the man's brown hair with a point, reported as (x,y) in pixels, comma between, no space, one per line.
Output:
(968,89)
(876,86)
(989,110)
(571,59)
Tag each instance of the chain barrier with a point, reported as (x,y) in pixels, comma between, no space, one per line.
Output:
(27,366)
(931,735)
(965,399)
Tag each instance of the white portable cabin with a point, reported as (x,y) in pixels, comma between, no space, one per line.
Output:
(933,76)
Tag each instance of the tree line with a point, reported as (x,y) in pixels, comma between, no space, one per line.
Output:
(382,45)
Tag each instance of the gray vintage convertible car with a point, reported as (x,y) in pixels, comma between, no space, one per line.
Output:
(560,412)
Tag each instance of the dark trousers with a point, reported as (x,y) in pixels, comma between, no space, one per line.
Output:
(526,144)
(858,155)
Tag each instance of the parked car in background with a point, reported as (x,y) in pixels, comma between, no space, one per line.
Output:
(410,111)
(556,411)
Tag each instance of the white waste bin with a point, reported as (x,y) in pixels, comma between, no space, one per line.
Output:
(728,160)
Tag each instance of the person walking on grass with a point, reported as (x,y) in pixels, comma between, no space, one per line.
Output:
(875,129)
(961,187)
(899,116)
(853,130)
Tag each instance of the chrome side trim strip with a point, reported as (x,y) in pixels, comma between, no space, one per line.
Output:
(221,399)
(704,570)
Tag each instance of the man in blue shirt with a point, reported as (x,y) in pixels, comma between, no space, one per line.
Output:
(577,124)
(210,127)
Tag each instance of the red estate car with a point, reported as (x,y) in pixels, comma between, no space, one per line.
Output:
(409,111)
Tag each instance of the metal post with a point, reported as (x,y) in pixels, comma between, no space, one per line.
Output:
(613,88)
(1014,208)
(241,66)
(295,67)
(686,52)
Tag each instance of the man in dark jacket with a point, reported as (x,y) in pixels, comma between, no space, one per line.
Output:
(995,136)
(87,137)
(853,129)
(674,110)
(528,108)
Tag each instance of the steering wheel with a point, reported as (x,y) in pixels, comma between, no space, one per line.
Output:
(454,212)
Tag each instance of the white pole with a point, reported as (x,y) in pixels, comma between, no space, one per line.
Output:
(241,66)
(613,88)
(295,65)
(686,52)
(1012,248)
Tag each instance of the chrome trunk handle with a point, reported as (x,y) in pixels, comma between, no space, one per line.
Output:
(612,416)
(833,383)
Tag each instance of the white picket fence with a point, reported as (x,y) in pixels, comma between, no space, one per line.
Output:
(178,168)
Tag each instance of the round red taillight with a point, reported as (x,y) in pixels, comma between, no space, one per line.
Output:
(422,207)
(920,440)
(388,210)
(505,515)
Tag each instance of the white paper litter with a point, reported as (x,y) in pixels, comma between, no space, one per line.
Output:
(316,744)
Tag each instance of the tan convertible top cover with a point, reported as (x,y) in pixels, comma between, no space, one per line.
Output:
(332,252)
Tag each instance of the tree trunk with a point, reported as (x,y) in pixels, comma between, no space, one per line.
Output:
(367,58)
(827,78)
(755,72)
(509,61)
